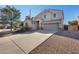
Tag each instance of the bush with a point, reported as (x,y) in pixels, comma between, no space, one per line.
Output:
(1,26)
(19,27)
(74,22)
(16,27)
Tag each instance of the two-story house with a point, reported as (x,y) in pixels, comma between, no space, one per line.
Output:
(50,19)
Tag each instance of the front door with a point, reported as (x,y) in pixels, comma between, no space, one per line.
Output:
(37,24)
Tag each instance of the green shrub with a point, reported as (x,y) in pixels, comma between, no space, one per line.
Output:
(74,22)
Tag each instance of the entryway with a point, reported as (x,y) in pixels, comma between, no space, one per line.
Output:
(37,23)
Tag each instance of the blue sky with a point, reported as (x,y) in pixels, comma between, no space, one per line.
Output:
(70,11)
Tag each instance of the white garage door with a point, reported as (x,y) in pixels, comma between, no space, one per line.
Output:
(53,27)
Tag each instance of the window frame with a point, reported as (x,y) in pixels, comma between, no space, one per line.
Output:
(54,15)
(45,16)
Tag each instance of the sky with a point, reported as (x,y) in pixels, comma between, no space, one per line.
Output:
(70,11)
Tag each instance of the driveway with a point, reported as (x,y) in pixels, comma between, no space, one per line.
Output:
(24,42)
(66,42)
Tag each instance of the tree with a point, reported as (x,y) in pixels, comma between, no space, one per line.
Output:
(74,22)
(10,14)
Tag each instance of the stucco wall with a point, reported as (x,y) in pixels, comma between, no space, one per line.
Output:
(29,23)
(50,15)
(73,27)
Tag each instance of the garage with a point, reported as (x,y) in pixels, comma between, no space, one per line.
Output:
(51,26)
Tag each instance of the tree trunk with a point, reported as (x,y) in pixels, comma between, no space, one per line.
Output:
(11,25)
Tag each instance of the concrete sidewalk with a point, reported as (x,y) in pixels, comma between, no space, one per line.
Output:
(23,43)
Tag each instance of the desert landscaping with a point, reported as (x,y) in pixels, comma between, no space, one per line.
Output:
(64,42)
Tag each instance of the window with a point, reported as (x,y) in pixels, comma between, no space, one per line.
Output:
(44,16)
(54,15)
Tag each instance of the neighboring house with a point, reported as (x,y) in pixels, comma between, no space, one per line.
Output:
(28,22)
(50,19)
(78,20)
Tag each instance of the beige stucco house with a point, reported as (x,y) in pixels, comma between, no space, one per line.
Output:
(50,19)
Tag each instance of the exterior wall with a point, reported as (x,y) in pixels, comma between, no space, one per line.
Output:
(73,27)
(29,23)
(34,26)
(50,17)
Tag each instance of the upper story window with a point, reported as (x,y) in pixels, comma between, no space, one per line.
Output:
(54,15)
(45,16)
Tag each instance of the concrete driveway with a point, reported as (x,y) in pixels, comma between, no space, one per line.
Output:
(23,43)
